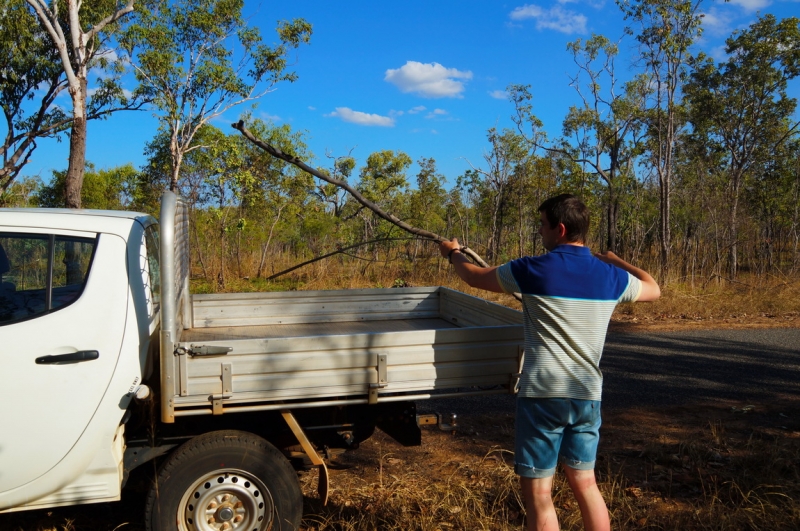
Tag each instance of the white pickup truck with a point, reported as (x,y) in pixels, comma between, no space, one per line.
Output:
(111,363)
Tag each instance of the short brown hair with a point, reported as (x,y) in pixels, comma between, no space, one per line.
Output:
(569,210)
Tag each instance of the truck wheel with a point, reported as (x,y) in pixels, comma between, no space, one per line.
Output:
(225,481)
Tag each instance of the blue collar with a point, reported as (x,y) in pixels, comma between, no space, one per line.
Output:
(572,249)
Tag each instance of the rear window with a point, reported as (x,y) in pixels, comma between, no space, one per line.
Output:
(41,273)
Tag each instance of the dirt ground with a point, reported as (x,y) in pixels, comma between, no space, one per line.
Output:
(674,323)
(651,464)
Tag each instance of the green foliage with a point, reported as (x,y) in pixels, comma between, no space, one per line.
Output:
(29,70)
(106,189)
(198,59)
(22,193)
(742,116)
(383,179)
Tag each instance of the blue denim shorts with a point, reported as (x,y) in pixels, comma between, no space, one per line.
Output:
(549,428)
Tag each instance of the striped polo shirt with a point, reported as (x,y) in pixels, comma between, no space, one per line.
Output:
(568,296)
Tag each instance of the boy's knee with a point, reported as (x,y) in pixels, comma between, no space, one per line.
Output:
(537,488)
(580,480)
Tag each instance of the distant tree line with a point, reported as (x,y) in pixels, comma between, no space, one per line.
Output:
(691,166)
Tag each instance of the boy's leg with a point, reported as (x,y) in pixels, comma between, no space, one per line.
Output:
(593,507)
(539,427)
(541,513)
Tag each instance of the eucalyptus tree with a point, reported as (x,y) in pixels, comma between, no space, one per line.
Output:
(603,133)
(740,108)
(197,59)
(277,199)
(104,189)
(606,128)
(772,194)
(332,196)
(29,70)
(383,181)
(79,51)
(665,30)
(427,204)
(21,193)
(495,184)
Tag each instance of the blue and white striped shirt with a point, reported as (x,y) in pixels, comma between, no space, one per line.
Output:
(568,296)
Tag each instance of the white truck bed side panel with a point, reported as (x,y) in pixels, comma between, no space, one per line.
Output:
(336,354)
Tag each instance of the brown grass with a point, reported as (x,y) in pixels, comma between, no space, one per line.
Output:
(709,468)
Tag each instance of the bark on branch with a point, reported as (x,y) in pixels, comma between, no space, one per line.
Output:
(291,159)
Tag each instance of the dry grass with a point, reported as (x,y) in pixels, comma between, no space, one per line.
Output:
(751,301)
(737,471)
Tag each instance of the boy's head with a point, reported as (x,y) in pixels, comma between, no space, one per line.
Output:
(570,211)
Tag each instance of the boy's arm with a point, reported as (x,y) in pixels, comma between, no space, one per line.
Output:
(650,289)
(477,277)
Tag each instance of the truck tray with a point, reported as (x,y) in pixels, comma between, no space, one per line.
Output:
(261,351)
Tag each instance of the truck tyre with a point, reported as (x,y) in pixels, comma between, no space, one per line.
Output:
(225,481)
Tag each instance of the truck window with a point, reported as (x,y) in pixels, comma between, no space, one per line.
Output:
(152,269)
(41,273)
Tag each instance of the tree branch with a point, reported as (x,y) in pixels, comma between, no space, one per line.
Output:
(275,152)
(342,250)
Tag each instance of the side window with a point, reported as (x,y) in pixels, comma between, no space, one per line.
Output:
(41,273)
(152,269)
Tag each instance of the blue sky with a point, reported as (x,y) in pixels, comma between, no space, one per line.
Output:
(424,77)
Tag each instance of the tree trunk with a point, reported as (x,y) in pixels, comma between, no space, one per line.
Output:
(612,213)
(177,160)
(77,147)
(665,228)
(733,249)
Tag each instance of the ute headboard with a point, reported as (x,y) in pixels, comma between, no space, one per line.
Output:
(176,304)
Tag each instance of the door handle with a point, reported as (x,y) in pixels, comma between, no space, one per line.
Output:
(72,357)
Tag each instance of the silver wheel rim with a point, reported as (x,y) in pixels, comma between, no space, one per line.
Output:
(226,500)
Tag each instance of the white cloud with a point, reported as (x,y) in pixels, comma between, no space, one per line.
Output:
(718,53)
(430,80)
(717,23)
(310,108)
(417,109)
(271,117)
(362,118)
(436,113)
(751,5)
(556,18)
(499,94)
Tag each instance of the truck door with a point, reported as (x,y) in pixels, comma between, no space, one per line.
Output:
(63,303)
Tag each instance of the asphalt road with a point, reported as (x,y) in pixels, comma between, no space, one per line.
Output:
(683,368)
(679,369)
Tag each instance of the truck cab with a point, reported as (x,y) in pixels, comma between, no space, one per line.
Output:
(78,316)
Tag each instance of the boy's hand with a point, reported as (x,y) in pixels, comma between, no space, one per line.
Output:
(607,257)
(446,246)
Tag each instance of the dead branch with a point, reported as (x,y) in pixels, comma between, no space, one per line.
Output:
(291,159)
(342,250)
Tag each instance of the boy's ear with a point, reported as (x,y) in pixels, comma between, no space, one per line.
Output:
(562,230)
